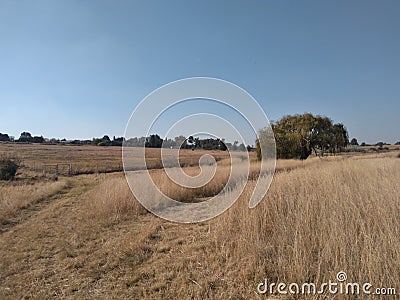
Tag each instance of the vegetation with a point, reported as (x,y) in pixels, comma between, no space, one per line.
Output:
(92,238)
(354,142)
(28,138)
(298,135)
(8,168)
(4,137)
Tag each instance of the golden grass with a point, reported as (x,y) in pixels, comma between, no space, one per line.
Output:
(111,201)
(320,216)
(14,197)
(319,220)
(87,159)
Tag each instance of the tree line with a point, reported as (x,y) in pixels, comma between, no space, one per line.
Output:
(152,141)
(296,136)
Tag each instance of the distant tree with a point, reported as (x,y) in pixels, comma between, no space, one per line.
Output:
(354,142)
(169,143)
(154,141)
(4,137)
(117,141)
(104,141)
(380,144)
(190,142)
(241,147)
(37,139)
(180,141)
(25,137)
(222,145)
(235,145)
(363,144)
(398,143)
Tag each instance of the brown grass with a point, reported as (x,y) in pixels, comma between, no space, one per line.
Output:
(112,201)
(87,159)
(319,217)
(14,197)
(317,221)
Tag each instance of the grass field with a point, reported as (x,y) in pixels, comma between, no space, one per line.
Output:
(86,237)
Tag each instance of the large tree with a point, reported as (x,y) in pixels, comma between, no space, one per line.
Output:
(297,136)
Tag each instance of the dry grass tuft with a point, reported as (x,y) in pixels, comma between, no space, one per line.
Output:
(112,201)
(16,197)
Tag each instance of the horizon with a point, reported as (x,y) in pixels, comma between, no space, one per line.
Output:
(77,70)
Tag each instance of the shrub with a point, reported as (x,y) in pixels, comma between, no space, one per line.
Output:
(8,168)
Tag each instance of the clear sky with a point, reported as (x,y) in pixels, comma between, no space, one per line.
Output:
(77,69)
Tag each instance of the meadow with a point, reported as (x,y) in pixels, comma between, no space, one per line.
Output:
(85,236)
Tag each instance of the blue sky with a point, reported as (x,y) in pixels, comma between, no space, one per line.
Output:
(77,69)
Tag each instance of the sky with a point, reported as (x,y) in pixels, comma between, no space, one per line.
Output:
(77,69)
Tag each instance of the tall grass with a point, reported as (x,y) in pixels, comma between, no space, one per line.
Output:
(319,220)
(16,197)
(112,201)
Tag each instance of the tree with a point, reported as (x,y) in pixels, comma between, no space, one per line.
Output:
(235,145)
(180,141)
(25,137)
(190,142)
(38,139)
(4,137)
(154,141)
(222,145)
(242,147)
(354,142)
(298,135)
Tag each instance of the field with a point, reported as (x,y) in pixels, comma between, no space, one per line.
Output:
(86,237)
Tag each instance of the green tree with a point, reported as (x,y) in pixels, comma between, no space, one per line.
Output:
(298,135)
(154,141)
(354,142)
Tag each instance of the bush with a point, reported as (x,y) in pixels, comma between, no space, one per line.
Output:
(8,168)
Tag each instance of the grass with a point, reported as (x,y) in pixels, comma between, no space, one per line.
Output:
(319,220)
(14,197)
(319,217)
(88,159)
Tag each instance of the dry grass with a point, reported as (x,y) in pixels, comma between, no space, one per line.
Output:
(319,220)
(319,217)
(87,159)
(14,197)
(112,201)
